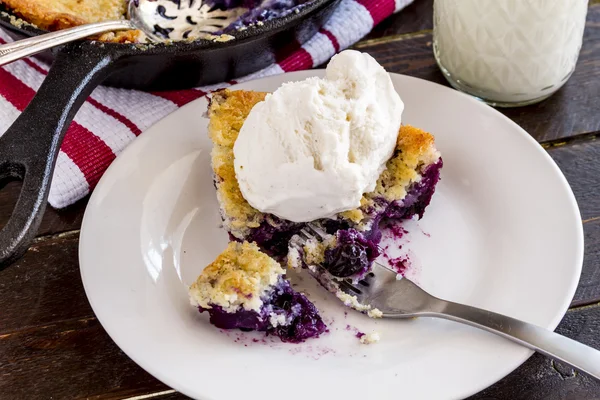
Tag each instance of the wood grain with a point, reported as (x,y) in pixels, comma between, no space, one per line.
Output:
(580,163)
(54,221)
(540,378)
(44,287)
(174,396)
(416,17)
(72,359)
(588,290)
(52,346)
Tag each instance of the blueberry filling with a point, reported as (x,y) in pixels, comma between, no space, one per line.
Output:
(355,251)
(306,322)
(418,197)
(352,255)
(258,10)
(285,313)
(274,234)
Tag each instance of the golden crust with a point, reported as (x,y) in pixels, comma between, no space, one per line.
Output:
(414,148)
(314,250)
(228,111)
(239,276)
(53,15)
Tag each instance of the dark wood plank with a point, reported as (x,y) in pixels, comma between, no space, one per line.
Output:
(44,287)
(74,359)
(540,378)
(415,17)
(571,111)
(410,55)
(580,163)
(171,396)
(51,345)
(588,290)
(54,221)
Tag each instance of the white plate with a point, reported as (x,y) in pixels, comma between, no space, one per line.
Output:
(503,232)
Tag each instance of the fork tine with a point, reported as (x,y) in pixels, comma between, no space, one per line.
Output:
(316,231)
(349,288)
(380,272)
(306,234)
(351,291)
(302,237)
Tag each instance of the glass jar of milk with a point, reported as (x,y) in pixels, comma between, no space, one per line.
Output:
(508,52)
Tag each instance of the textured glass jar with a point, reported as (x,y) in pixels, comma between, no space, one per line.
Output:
(508,52)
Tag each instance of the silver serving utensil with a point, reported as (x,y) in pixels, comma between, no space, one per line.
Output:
(396,297)
(160,20)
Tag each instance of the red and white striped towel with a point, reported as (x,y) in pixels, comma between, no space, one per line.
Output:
(111,118)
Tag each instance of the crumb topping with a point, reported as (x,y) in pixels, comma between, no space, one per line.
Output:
(375,313)
(227,112)
(414,148)
(314,250)
(352,302)
(239,277)
(294,258)
(370,338)
(53,15)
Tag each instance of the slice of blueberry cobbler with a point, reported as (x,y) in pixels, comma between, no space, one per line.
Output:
(403,191)
(246,289)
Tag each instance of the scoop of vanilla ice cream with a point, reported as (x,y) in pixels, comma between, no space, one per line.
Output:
(312,148)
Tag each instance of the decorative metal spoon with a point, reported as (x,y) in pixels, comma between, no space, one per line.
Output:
(160,20)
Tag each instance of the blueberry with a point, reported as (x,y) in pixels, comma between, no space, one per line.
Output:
(346,259)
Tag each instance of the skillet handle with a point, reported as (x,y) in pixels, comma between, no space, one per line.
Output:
(29,148)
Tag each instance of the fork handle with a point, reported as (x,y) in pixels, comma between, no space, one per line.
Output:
(577,355)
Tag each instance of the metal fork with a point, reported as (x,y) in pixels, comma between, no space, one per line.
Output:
(398,297)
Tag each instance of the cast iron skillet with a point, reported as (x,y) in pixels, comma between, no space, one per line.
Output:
(29,148)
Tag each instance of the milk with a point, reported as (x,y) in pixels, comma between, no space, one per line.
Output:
(511,52)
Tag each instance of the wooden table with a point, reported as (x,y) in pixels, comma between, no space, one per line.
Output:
(53,347)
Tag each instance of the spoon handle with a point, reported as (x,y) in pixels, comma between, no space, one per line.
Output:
(23,48)
(577,355)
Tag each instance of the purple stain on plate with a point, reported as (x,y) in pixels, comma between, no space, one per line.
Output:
(399,264)
(396,230)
